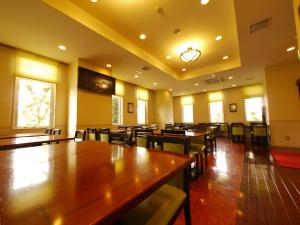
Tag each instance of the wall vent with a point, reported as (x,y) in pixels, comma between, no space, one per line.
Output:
(260,25)
(144,68)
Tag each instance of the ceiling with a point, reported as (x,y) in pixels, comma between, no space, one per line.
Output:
(108,32)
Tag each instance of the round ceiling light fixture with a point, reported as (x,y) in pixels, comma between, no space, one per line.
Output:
(190,55)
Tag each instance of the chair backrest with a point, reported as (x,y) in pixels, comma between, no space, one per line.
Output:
(168,126)
(179,140)
(80,135)
(56,131)
(91,133)
(141,141)
(173,132)
(259,130)
(48,131)
(104,137)
(224,127)
(237,129)
(125,138)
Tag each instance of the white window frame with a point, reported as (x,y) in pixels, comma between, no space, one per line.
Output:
(210,118)
(183,117)
(16,102)
(262,105)
(146,111)
(120,102)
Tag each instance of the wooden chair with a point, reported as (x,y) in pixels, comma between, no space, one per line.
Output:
(141,136)
(238,132)
(165,212)
(91,133)
(48,131)
(168,126)
(259,134)
(211,137)
(199,144)
(80,135)
(120,138)
(224,129)
(56,131)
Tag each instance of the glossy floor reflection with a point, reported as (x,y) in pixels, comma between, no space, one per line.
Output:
(214,195)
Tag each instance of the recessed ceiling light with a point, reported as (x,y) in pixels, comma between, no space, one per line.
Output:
(136,76)
(225,57)
(291,49)
(142,36)
(204,90)
(154,83)
(62,47)
(170,89)
(196,84)
(219,38)
(108,65)
(183,69)
(230,78)
(234,85)
(94,1)
(204,2)
(168,57)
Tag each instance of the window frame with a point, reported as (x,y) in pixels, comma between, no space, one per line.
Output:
(121,109)
(146,111)
(16,102)
(192,106)
(223,114)
(262,105)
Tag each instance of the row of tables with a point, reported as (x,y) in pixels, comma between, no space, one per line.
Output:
(78,183)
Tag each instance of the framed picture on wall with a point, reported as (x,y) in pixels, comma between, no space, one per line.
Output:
(233,107)
(130,107)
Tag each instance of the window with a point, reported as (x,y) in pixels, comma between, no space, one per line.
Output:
(34,104)
(253,108)
(117,110)
(216,112)
(187,114)
(142,111)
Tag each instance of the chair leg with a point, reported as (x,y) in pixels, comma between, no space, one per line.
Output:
(206,160)
(201,159)
(187,209)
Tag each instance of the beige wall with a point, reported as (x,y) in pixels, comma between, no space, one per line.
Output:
(163,112)
(232,95)
(7,81)
(95,110)
(284,104)
(297,19)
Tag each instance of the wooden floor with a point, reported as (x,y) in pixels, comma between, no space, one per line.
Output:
(242,185)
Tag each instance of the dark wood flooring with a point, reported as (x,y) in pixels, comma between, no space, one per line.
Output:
(243,185)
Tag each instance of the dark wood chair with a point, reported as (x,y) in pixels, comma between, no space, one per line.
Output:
(224,129)
(56,131)
(178,144)
(259,134)
(238,132)
(80,135)
(140,136)
(120,138)
(168,126)
(48,131)
(91,133)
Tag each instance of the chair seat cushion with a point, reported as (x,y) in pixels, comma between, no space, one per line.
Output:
(158,209)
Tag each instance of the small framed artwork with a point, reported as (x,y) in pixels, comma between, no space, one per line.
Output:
(233,107)
(130,107)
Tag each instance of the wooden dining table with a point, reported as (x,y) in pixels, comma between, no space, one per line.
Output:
(80,183)
(21,142)
(18,135)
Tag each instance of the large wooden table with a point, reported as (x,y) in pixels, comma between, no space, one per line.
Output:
(80,183)
(18,135)
(31,141)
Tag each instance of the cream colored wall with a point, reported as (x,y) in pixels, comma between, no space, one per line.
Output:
(284,104)
(95,110)
(232,95)
(7,80)
(297,19)
(163,112)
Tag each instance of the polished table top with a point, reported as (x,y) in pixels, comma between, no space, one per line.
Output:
(79,182)
(29,141)
(18,135)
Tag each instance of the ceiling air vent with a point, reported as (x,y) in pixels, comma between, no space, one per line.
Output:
(214,81)
(260,25)
(144,68)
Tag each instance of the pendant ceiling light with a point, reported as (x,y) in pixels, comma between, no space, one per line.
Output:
(190,54)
